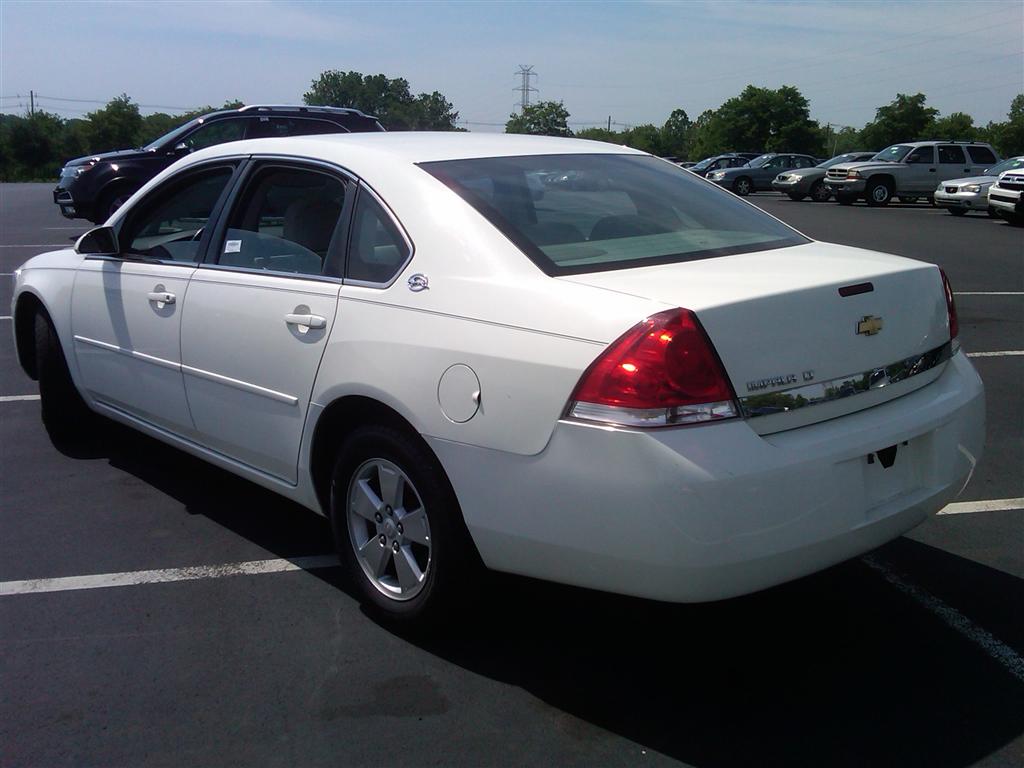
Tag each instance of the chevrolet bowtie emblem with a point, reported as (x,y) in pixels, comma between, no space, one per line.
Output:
(869,325)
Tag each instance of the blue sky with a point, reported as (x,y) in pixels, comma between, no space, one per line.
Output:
(633,61)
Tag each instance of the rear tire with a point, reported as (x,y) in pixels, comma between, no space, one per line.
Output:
(65,414)
(878,193)
(398,528)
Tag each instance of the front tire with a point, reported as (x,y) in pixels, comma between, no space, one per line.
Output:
(878,193)
(65,414)
(398,528)
(743,186)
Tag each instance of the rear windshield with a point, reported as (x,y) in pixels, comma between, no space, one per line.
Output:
(588,213)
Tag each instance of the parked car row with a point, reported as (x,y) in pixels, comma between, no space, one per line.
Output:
(955,175)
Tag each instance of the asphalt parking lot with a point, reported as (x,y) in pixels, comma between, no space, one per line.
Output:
(909,657)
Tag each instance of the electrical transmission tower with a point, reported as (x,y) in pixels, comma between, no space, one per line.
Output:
(525,72)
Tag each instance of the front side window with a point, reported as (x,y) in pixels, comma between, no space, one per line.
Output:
(922,155)
(217,132)
(377,250)
(169,223)
(286,220)
(950,154)
(619,211)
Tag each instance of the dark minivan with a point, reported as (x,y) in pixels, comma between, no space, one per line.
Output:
(94,187)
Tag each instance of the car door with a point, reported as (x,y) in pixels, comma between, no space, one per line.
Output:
(921,171)
(126,307)
(763,176)
(260,310)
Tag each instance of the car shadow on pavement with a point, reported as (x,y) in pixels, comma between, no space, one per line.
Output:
(836,669)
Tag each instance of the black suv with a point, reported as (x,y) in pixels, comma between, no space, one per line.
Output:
(94,187)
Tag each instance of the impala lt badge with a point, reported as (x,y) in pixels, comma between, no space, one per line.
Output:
(869,325)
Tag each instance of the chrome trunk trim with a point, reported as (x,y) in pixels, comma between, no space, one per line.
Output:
(851,385)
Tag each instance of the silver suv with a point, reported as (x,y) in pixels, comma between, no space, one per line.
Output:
(907,171)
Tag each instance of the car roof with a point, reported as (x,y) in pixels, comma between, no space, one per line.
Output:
(414,146)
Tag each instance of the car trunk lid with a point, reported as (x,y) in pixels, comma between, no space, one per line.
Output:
(808,325)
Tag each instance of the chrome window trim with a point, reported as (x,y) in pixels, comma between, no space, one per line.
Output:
(271,273)
(139,260)
(409,245)
(821,392)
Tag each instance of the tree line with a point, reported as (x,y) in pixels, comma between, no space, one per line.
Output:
(778,120)
(34,146)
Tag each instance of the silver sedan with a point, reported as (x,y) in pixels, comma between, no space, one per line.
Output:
(801,182)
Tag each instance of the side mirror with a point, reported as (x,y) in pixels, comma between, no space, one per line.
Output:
(101,240)
(181,149)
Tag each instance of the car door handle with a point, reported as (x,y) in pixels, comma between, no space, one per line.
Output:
(161,297)
(306,321)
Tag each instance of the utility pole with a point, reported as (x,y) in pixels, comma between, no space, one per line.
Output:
(32,102)
(609,123)
(525,72)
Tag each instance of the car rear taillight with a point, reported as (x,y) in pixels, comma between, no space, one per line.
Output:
(954,323)
(661,372)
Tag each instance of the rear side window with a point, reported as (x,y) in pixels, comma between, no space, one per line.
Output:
(572,214)
(981,155)
(287,220)
(294,126)
(377,250)
(950,154)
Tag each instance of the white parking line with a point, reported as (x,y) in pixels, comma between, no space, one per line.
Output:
(17,398)
(991,505)
(994,647)
(165,575)
(1004,353)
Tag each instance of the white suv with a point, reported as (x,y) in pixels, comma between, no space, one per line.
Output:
(1006,196)
(907,171)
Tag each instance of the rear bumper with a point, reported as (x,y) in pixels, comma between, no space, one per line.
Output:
(709,512)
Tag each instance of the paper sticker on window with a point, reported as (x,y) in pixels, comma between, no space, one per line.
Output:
(232,246)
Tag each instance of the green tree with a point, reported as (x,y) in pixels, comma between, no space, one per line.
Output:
(705,138)
(958,126)
(759,119)
(31,146)
(646,138)
(600,134)
(118,125)
(1008,137)
(547,118)
(906,118)
(676,134)
(388,99)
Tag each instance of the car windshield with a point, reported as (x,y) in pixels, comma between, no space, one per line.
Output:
(848,158)
(893,154)
(572,214)
(704,163)
(1010,164)
(757,162)
(172,136)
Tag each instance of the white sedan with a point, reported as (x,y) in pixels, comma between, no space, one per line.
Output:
(551,357)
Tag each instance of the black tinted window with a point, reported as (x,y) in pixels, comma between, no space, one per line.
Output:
(286,221)
(293,126)
(951,154)
(169,222)
(377,249)
(981,155)
(585,213)
(217,132)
